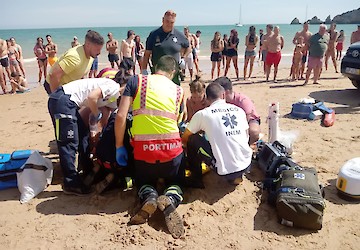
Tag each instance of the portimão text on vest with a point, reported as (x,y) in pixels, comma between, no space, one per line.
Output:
(161,146)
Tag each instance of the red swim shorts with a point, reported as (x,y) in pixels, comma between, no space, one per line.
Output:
(273,58)
(339,46)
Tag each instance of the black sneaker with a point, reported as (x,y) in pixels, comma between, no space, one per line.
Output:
(79,191)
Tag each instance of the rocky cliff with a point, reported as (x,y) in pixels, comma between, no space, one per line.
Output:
(315,20)
(295,21)
(350,17)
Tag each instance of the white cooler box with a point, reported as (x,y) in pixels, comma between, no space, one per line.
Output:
(348,181)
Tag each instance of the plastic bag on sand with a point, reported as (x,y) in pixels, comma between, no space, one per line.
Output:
(34,176)
(287,138)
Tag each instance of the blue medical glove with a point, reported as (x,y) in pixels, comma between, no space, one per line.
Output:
(121,156)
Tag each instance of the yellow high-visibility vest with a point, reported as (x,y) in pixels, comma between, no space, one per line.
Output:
(156,107)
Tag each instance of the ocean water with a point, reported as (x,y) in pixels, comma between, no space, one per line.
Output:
(63,36)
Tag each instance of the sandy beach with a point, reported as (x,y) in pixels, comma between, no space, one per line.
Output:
(217,217)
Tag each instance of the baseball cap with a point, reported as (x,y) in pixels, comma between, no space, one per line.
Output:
(75,38)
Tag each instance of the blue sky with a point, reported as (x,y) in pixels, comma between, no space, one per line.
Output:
(18,14)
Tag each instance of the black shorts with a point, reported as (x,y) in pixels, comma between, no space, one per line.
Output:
(215,56)
(194,53)
(304,58)
(127,63)
(113,57)
(5,62)
(224,52)
(231,52)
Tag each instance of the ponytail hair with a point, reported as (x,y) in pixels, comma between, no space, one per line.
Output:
(197,85)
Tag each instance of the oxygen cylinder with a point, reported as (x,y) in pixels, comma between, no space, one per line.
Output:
(273,122)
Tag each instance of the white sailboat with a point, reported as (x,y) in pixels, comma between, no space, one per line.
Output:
(239,24)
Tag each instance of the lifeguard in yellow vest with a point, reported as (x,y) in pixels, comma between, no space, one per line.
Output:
(156,103)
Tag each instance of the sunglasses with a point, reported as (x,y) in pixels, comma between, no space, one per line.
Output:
(173,14)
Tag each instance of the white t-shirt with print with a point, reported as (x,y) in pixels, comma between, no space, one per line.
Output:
(79,91)
(226,127)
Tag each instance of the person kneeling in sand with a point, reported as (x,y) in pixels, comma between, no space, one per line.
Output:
(226,127)
(18,83)
(157,104)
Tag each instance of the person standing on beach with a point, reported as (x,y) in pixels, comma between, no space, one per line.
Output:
(196,50)
(232,52)
(94,68)
(261,33)
(166,40)
(331,47)
(269,32)
(74,63)
(355,36)
(4,58)
(251,41)
(224,52)
(340,44)
(317,44)
(127,52)
(51,50)
(216,47)
(13,57)
(112,46)
(21,58)
(189,60)
(39,51)
(305,34)
(139,51)
(2,81)
(273,45)
(157,104)
(75,42)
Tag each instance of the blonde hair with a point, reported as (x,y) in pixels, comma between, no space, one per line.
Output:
(215,43)
(197,85)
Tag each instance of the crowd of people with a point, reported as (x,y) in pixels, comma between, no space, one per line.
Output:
(153,131)
(224,50)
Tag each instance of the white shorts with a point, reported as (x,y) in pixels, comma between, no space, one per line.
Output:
(189,61)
